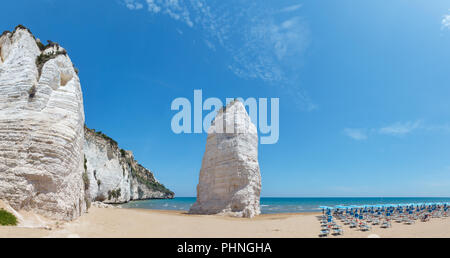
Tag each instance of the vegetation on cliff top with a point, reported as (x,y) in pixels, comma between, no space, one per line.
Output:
(143,175)
(7,218)
(104,136)
(44,58)
(20,26)
(151,183)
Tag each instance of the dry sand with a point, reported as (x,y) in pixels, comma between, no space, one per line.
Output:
(172,224)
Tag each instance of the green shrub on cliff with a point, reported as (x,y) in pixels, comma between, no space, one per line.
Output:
(43,58)
(7,218)
(107,138)
(114,194)
(85,175)
(40,45)
(32,92)
(150,182)
(159,187)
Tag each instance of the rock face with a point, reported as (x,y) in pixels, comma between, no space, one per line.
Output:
(230,180)
(47,163)
(113,174)
(41,128)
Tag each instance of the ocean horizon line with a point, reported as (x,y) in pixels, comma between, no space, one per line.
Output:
(272,205)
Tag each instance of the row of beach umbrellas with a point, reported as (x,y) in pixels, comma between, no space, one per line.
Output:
(385,206)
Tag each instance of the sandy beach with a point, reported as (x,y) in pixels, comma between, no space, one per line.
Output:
(100,222)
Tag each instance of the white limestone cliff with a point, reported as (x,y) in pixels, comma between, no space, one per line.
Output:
(113,174)
(230,180)
(50,163)
(41,128)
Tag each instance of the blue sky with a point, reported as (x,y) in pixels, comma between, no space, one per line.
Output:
(363,85)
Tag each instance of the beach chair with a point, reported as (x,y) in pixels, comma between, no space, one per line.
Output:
(338,231)
(335,226)
(364,226)
(324,233)
(398,219)
(409,221)
(386,224)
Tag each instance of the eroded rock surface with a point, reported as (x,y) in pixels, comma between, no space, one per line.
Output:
(115,176)
(230,180)
(49,162)
(41,128)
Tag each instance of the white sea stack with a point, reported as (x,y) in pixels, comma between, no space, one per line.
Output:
(41,128)
(230,180)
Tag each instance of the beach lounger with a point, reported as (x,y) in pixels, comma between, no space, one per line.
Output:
(364,227)
(386,224)
(409,221)
(338,231)
(398,219)
(324,233)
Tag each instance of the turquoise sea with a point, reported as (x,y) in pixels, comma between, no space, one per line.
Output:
(285,205)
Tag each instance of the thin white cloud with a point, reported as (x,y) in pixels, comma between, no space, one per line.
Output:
(291,8)
(356,134)
(133,5)
(177,10)
(288,36)
(264,43)
(446,21)
(269,48)
(400,128)
(438,128)
(210,45)
(153,7)
(396,129)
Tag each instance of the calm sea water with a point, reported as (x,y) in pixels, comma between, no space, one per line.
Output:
(283,205)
